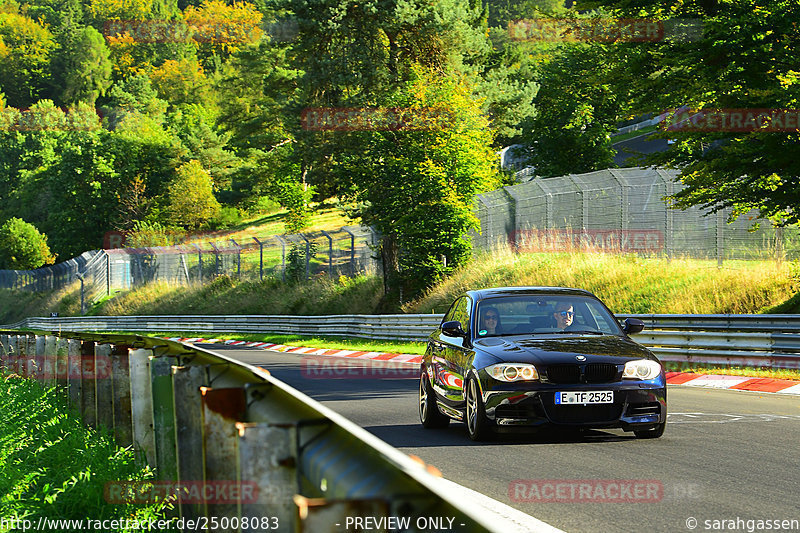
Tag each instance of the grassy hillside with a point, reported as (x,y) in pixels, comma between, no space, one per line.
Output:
(627,283)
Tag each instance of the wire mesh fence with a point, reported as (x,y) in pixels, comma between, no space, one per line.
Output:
(622,210)
(348,251)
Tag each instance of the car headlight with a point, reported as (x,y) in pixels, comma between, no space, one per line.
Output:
(513,372)
(641,369)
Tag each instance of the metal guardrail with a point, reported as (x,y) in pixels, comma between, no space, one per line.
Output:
(748,340)
(200,417)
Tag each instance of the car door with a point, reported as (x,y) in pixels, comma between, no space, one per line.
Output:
(456,355)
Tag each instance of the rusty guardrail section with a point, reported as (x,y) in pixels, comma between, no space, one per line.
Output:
(201,418)
(748,340)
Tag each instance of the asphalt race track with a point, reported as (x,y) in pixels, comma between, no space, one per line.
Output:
(725,455)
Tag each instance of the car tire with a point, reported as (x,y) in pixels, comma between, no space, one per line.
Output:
(475,416)
(429,413)
(653,433)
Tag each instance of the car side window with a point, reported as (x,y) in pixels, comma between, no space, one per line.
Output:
(448,316)
(461,312)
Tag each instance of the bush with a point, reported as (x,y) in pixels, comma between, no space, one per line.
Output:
(22,247)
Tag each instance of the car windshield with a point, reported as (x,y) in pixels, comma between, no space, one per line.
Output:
(544,314)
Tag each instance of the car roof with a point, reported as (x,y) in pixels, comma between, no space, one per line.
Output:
(480,294)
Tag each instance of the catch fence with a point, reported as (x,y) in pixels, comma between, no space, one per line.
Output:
(622,210)
(297,257)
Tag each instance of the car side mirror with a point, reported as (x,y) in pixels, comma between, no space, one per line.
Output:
(452,328)
(632,326)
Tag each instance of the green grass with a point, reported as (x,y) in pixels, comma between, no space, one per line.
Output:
(52,466)
(630,135)
(626,283)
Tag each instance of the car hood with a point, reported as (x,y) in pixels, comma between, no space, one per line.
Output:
(563,349)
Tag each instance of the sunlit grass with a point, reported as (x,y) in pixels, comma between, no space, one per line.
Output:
(52,466)
(626,283)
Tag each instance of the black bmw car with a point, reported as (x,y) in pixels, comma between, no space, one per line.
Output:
(538,357)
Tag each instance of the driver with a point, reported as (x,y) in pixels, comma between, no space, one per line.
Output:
(564,315)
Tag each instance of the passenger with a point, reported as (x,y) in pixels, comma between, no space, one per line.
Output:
(490,322)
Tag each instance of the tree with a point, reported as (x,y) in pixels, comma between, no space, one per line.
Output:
(417,186)
(22,247)
(25,49)
(82,66)
(744,56)
(191,196)
(577,109)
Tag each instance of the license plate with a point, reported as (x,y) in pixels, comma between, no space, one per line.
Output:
(582,398)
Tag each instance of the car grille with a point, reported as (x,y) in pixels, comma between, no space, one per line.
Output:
(592,373)
(570,414)
(600,373)
(564,374)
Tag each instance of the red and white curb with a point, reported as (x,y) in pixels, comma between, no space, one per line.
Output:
(714,381)
(352,354)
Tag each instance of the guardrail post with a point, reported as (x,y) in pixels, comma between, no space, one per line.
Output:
(37,356)
(62,363)
(222,408)
(186,383)
(121,389)
(88,378)
(266,460)
(142,404)
(50,367)
(74,383)
(163,417)
(5,347)
(103,385)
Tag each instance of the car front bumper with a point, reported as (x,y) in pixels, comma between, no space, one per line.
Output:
(636,406)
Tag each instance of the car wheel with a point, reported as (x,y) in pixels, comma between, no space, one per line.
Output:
(653,433)
(429,413)
(477,425)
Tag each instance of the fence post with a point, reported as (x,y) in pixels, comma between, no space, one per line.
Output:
(83,299)
(283,257)
(720,245)
(199,262)
(352,251)
(238,259)
(260,258)
(779,252)
(330,254)
(216,258)
(308,253)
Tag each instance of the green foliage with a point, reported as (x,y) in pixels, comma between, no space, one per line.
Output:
(191,196)
(53,467)
(417,187)
(576,111)
(145,234)
(744,56)
(22,247)
(81,67)
(296,259)
(25,49)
